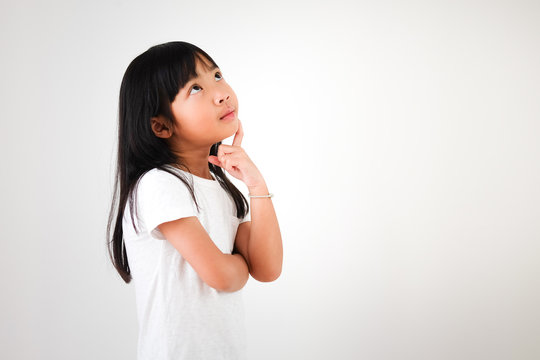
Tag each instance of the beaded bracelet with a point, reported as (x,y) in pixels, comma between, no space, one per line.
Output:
(261,196)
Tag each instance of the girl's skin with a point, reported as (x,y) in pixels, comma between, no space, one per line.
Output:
(198,108)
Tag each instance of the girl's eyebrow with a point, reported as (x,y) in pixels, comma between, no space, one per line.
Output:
(212,69)
(199,76)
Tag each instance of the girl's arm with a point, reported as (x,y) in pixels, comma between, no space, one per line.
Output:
(259,240)
(223,272)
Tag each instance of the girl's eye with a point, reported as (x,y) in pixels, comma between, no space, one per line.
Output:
(197,87)
(193,88)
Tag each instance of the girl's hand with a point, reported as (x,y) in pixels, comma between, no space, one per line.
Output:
(235,160)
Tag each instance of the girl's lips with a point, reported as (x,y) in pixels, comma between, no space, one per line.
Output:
(228,116)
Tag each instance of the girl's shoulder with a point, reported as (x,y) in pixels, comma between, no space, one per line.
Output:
(155,172)
(157,175)
(157,183)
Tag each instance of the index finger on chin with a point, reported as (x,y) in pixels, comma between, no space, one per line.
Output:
(239,135)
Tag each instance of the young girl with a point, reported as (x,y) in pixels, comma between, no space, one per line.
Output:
(181,229)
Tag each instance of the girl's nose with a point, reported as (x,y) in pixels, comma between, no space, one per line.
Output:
(221,97)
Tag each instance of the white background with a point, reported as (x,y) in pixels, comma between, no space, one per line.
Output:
(401,141)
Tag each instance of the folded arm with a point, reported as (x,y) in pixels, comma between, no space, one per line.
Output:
(223,272)
(259,240)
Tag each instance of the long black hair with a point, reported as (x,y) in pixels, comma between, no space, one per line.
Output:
(148,88)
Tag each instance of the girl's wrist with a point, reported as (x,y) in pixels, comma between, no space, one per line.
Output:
(261,189)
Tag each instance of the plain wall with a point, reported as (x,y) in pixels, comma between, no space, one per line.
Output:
(401,141)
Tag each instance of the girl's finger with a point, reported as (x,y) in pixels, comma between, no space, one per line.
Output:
(229,149)
(239,135)
(223,157)
(214,160)
(231,159)
(220,153)
(230,164)
(237,157)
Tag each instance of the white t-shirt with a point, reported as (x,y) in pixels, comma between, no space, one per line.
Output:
(179,315)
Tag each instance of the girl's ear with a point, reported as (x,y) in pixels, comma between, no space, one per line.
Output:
(160,128)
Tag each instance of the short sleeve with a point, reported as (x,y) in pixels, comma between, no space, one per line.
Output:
(162,197)
(247,217)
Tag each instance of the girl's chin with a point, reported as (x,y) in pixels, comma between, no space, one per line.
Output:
(228,130)
(233,129)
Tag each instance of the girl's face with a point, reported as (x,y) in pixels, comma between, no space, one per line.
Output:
(199,107)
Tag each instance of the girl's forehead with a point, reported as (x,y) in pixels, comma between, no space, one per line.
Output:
(205,64)
(202,67)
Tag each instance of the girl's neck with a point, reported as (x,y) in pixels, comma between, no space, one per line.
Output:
(193,159)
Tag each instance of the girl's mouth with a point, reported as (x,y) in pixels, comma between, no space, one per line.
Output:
(228,116)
